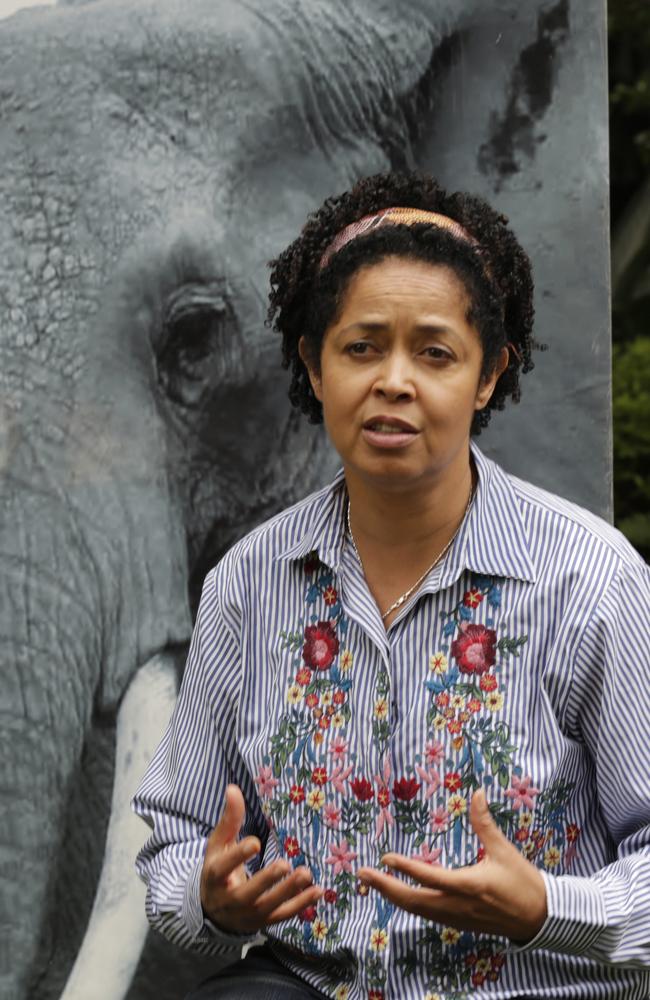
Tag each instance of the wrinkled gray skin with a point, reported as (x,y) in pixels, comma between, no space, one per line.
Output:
(154,156)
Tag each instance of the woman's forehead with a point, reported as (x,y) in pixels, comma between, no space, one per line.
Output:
(396,281)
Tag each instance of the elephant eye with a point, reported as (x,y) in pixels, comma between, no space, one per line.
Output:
(200,348)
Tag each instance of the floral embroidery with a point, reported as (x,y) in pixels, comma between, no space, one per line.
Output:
(319,800)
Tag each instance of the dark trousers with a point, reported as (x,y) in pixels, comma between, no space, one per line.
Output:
(259,976)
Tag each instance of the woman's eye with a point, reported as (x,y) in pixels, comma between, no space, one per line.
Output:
(358,347)
(437,353)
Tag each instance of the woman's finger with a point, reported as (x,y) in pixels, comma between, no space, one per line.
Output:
(423,902)
(221,863)
(263,881)
(294,906)
(466,879)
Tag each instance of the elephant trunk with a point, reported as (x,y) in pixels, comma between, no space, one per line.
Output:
(49,663)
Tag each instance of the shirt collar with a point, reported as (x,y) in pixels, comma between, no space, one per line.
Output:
(492,541)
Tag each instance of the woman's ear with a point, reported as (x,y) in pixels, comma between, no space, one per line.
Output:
(314,375)
(487,384)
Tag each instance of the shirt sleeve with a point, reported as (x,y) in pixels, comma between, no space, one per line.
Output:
(606,916)
(182,792)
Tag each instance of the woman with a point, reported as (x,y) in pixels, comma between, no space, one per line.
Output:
(411,740)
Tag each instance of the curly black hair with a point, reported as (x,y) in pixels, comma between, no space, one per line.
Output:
(305,297)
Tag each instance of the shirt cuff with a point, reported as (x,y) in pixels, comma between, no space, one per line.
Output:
(199,927)
(576,916)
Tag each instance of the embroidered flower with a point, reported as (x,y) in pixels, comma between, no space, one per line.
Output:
(439,819)
(452,781)
(362,888)
(551,857)
(338,748)
(325,721)
(330,596)
(432,996)
(378,939)
(303,676)
(525,819)
(383,796)
(308,914)
(338,698)
(457,805)
(472,598)
(291,847)
(454,726)
(439,722)
(406,789)
(319,776)
(429,855)
(338,720)
(438,663)
(522,834)
(457,701)
(318,738)
(321,645)
(346,660)
(330,895)
(332,815)
(572,833)
(381,708)
(521,792)
(434,752)
(339,776)
(316,799)
(488,682)
(312,562)
(319,929)
(294,694)
(430,778)
(297,794)
(449,935)
(362,789)
(442,699)
(494,701)
(474,705)
(266,782)
(341,857)
(457,742)
(375,994)
(342,993)
(474,650)
(311,700)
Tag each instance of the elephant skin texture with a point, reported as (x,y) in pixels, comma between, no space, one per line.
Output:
(155,156)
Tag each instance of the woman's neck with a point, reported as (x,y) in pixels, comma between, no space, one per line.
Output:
(393,522)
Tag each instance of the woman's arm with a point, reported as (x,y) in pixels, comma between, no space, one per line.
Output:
(182,794)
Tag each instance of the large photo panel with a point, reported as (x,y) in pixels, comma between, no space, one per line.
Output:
(154,156)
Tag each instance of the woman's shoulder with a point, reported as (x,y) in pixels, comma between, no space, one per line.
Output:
(276,536)
(557,523)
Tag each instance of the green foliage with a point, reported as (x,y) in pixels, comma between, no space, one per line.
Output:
(629,68)
(631,404)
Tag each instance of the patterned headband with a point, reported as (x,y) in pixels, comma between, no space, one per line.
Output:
(396,216)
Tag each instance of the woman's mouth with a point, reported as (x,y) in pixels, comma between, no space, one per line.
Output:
(388,433)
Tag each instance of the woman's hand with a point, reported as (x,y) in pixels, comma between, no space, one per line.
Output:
(504,894)
(240,904)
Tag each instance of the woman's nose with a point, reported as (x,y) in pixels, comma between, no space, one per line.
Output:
(394,378)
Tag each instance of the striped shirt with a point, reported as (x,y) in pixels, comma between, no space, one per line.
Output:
(520,665)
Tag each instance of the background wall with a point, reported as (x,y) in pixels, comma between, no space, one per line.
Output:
(154,156)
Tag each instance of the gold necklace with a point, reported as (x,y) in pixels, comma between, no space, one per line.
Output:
(400,600)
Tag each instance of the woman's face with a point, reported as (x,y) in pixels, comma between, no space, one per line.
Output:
(400,374)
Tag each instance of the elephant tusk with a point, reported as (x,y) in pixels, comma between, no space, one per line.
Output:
(116,932)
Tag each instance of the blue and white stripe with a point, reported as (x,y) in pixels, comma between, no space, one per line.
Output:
(578,706)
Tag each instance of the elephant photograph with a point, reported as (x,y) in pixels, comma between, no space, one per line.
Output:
(156,154)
